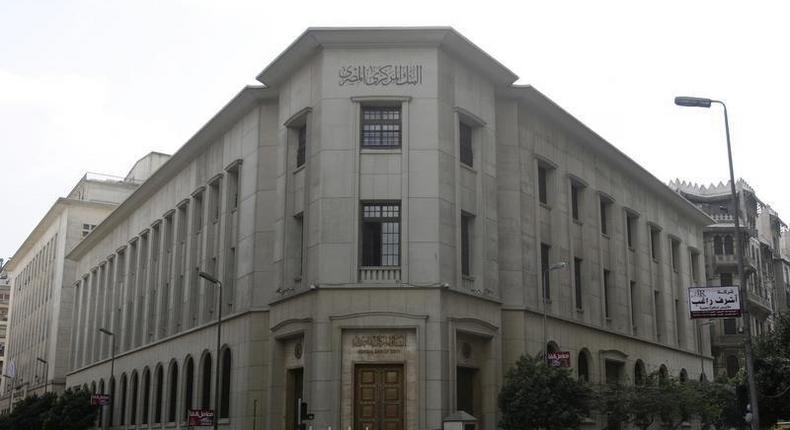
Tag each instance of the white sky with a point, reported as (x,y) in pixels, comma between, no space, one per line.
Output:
(95,85)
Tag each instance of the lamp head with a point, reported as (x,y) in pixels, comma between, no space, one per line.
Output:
(107,332)
(693,102)
(558,265)
(208,277)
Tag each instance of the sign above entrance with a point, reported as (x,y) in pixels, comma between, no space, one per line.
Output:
(388,74)
(560,359)
(714,302)
(379,343)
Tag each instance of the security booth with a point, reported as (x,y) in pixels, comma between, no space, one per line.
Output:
(459,420)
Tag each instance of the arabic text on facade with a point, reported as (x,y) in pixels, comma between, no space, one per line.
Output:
(389,74)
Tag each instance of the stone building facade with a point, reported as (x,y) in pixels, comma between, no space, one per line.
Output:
(764,263)
(380,213)
(41,278)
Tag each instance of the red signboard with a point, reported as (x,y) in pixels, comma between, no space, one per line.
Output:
(560,359)
(201,417)
(100,399)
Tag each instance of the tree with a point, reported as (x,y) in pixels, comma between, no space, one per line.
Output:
(537,396)
(28,413)
(772,371)
(72,411)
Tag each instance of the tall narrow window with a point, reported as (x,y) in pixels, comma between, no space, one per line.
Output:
(466,389)
(380,234)
(189,385)
(679,323)
(634,301)
(123,399)
(133,409)
(675,245)
(576,190)
(577,281)
(173,395)
(655,243)
(728,247)
(543,187)
(234,186)
(605,206)
(607,294)
(726,279)
(146,394)
(381,126)
(466,232)
(299,244)
(224,391)
(545,254)
(205,392)
(159,382)
(301,145)
(465,142)
(718,249)
(630,229)
(694,265)
(659,312)
(730,326)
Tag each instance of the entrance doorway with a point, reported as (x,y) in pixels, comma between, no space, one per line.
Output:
(378,397)
(294,392)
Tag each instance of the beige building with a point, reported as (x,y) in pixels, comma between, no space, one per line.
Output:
(5,299)
(766,266)
(40,318)
(379,214)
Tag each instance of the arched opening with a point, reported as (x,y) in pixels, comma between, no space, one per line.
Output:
(146,394)
(205,378)
(189,385)
(112,405)
(640,375)
(172,399)
(732,366)
(728,248)
(703,377)
(583,366)
(224,383)
(552,347)
(133,408)
(123,399)
(684,376)
(158,394)
(93,387)
(663,375)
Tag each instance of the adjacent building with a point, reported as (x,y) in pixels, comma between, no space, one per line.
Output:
(765,263)
(41,282)
(5,298)
(381,214)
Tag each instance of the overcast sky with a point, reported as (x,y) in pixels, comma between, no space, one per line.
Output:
(95,85)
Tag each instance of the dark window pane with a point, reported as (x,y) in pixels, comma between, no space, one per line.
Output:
(542,186)
(577,279)
(575,202)
(544,265)
(466,389)
(301,145)
(380,234)
(465,139)
(730,326)
(604,217)
(381,127)
(466,220)
(606,293)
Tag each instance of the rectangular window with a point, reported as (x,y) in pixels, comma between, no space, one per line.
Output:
(607,293)
(605,206)
(545,252)
(233,188)
(381,127)
(299,243)
(543,188)
(465,141)
(214,201)
(659,314)
(466,240)
(575,196)
(577,280)
(301,145)
(726,279)
(730,326)
(675,255)
(679,322)
(380,234)
(655,244)
(634,301)
(694,260)
(630,228)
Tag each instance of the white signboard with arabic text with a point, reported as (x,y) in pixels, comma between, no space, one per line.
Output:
(714,302)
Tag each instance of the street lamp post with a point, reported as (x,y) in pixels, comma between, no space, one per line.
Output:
(106,415)
(44,362)
(218,284)
(546,272)
(706,103)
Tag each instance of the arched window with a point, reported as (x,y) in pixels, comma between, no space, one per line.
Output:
(101,391)
(189,385)
(717,248)
(224,383)
(663,375)
(158,395)
(93,387)
(146,394)
(703,377)
(552,347)
(123,399)
(133,409)
(583,367)
(640,376)
(732,366)
(728,245)
(172,399)
(112,405)
(205,378)
(684,376)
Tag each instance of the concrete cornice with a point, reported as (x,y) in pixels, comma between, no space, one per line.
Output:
(316,38)
(52,214)
(537,100)
(237,107)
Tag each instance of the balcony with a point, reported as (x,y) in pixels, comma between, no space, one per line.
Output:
(379,274)
(758,304)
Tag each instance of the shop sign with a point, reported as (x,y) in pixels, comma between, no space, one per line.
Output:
(560,359)
(714,302)
(200,417)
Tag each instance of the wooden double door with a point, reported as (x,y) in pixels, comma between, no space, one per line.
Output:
(379,401)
